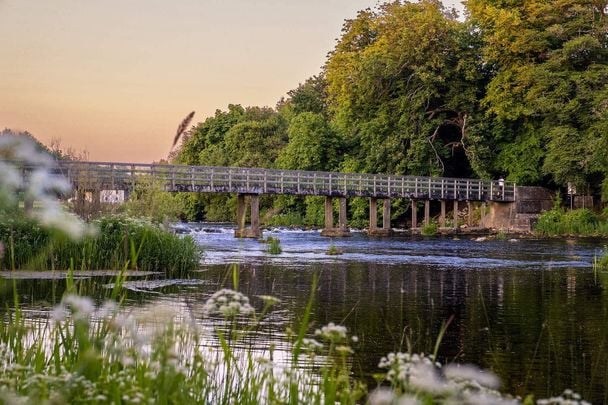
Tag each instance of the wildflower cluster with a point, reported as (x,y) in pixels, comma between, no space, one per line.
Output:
(568,397)
(35,172)
(422,378)
(228,303)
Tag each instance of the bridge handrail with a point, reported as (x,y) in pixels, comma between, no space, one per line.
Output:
(279,181)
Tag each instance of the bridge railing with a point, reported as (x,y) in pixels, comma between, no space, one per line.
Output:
(108,175)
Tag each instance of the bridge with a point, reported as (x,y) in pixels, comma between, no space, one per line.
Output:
(250,183)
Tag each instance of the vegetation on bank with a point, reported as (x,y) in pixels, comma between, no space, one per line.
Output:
(580,222)
(410,89)
(115,242)
(86,353)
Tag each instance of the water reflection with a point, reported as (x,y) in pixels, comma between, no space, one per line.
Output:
(531,311)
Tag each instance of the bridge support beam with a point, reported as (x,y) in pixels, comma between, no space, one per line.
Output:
(242,203)
(427,212)
(442,216)
(386,229)
(414,205)
(455,212)
(330,230)
(28,204)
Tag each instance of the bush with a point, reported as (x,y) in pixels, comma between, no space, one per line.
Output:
(119,240)
(574,222)
(429,229)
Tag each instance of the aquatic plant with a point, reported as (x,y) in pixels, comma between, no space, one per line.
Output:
(118,240)
(85,352)
(429,229)
(333,250)
(274,246)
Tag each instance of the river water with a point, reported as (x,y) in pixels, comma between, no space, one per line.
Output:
(533,311)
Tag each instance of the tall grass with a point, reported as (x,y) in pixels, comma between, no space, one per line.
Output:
(582,222)
(87,353)
(118,240)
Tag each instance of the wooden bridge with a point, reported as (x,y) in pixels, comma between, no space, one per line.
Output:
(250,183)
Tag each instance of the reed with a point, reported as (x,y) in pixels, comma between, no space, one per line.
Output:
(32,247)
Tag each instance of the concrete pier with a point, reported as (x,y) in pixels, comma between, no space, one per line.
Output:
(244,201)
(386,229)
(342,229)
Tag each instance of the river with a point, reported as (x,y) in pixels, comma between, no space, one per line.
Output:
(531,310)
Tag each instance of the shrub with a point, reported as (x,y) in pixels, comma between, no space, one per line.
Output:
(429,229)
(574,222)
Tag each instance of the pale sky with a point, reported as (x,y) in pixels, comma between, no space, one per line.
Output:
(115,77)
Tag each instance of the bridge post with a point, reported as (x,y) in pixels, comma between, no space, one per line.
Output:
(414,205)
(442,216)
(373,214)
(242,231)
(373,217)
(455,212)
(28,204)
(427,212)
(469,213)
(330,230)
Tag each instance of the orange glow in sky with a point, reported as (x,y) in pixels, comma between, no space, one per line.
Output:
(115,77)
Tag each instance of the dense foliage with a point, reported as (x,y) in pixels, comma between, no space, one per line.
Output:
(518,89)
(585,222)
(118,241)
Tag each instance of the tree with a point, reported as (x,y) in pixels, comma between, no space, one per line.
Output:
(549,87)
(403,86)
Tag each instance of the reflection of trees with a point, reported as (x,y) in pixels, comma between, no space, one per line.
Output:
(541,331)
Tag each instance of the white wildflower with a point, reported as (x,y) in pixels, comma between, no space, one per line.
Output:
(332,332)
(467,372)
(82,307)
(228,303)
(381,396)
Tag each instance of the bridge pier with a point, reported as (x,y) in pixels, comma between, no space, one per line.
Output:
(386,229)
(28,204)
(242,230)
(414,205)
(330,230)
(455,212)
(442,216)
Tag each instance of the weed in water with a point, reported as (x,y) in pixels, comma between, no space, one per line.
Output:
(274,246)
(429,229)
(333,250)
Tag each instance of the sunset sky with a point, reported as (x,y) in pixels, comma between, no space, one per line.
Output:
(115,77)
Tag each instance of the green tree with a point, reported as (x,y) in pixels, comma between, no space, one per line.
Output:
(312,145)
(549,62)
(403,86)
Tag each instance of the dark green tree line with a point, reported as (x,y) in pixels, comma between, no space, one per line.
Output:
(518,89)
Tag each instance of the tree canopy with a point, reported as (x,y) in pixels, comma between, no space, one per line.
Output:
(518,89)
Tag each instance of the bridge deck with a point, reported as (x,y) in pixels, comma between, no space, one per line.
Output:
(178,178)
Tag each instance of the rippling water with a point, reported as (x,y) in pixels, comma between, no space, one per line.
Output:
(531,310)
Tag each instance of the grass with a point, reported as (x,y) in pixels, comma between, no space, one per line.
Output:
(118,240)
(579,222)
(274,245)
(333,250)
(429,229)
(88,353)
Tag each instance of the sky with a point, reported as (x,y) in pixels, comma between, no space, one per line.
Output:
(114,78)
